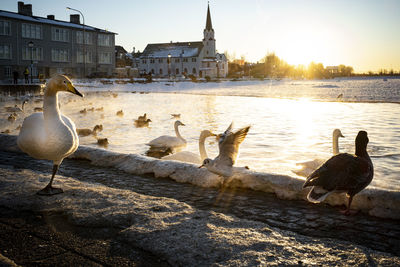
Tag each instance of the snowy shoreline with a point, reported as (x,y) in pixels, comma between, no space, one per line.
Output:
(375,202)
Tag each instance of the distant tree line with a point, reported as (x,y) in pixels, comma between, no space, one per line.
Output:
(271,66)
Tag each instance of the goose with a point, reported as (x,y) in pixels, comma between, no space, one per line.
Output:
(16,108)
(142,118)
(120,113)
(102,142)
(12,117)
(187,156)
(176,116)
(50,135)
(342,173)
(309,166)
(86,132)
(166,142)
(229,143)
(140,123)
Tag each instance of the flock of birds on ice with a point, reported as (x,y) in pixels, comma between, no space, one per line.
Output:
(48,134)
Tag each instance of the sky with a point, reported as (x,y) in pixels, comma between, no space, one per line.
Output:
(363,34)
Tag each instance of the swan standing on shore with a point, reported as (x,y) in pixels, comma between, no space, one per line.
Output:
(228,151)
(50,135)
(167,142)
(342,173)
(309,166)
(187,156)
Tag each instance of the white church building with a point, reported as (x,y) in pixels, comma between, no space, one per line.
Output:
(185,58)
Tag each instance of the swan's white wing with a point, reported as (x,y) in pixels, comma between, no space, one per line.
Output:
(71,125)
(32,136)
(184,156)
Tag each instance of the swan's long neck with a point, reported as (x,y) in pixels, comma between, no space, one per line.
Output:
(335,144)
(202,147)
(177,132)
(51,111)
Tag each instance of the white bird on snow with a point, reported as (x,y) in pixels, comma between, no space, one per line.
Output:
(50,135)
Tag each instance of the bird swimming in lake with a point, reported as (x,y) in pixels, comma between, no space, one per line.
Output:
(50,135)
(167,142)
(86,132)
(308,167)
(142,118)
(102,142)
(120,113)
(16,108)
(229,143)
(176,116)
(342,173)
(142,123)
(187,156)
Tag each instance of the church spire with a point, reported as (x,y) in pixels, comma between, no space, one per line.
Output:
(208,24)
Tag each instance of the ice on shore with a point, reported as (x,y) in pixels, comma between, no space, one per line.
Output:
(375,202)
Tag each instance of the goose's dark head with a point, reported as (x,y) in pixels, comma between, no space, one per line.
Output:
(361,143)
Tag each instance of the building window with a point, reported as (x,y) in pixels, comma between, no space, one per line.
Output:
(185,70)
(185,60)
(34,53)
(194,71)
(88,37)
(7,71)
(193,59)
(208,64)
(88,59)
(59,55)
(177,71)
(104,40)
(207,52)
(160,71)
(144,61)
(105,58)
(5,51)
(5,27)
(152,60)
(152,71)
(176,60)
(59,34)
(31,31)
(160,60)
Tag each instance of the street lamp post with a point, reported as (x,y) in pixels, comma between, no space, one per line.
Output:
(169,66)
(30,44)
(83,40)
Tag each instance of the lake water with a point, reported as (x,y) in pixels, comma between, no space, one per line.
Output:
(291,121)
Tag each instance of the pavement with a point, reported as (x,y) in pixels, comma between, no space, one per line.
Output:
(49,232)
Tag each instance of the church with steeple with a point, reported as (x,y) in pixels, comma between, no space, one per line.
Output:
(177,59)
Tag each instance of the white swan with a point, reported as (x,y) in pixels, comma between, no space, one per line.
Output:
(187,156)
(50,135)
(229,143)
(309,166)
(166,142)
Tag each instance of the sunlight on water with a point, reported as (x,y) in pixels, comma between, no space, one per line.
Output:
(283,131)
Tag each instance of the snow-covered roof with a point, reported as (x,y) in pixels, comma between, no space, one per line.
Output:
(36,19)
(181,49)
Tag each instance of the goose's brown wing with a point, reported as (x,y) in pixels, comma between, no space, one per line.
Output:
(343,172)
